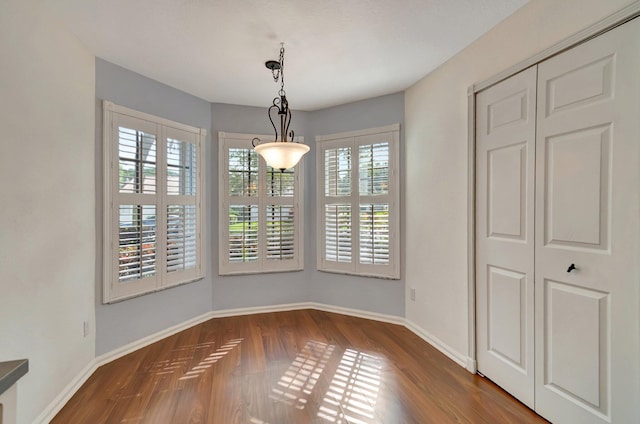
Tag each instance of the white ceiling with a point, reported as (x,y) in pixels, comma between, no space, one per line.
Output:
(337,51)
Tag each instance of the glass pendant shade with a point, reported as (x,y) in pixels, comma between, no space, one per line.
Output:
(282,155)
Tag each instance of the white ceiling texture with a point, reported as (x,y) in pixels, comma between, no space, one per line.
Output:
(337,51)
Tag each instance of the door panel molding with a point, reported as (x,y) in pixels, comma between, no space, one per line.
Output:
(593,307)
(507,202)
(588,149)
(506,299)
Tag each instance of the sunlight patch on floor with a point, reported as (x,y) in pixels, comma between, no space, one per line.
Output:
(297,383)
(354,389)
(207,362)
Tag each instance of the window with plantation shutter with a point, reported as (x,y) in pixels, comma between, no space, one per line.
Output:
(260,211)
(152,203)
(359,202)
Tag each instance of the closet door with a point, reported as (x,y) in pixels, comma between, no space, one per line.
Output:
(587,231)
(505,141)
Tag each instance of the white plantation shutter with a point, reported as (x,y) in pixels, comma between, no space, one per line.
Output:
(152,185)
(338,240)
(182,165)
(374,169)
(182,199)
(242,172)
(359,202)
(243,233)
(261,228)
(181,237)
(338,208)
(136,237)
(280,232)
(374,234)
(374,180)
(136,242)
(280,183)
(280,219)
(337,174)
(136,159)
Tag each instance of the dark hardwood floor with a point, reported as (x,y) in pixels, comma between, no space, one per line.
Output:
(290,367)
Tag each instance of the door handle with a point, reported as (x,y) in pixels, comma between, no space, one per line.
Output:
(571,267)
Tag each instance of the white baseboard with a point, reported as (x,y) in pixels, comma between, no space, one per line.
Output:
(391,319)
(54,407)
(261,309)
(146,341)
(451,353)
(472,365)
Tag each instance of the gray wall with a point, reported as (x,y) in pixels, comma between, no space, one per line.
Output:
(240,291)
(368,294)
(121,323)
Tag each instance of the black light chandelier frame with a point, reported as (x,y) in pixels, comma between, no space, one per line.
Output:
(284,144)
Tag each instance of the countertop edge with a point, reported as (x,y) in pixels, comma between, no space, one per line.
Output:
(11,372)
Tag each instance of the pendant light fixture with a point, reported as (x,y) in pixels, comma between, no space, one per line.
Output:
(282,153)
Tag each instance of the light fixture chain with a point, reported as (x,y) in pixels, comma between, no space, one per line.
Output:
(282,68)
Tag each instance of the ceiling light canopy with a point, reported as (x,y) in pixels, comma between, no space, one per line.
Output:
(282,153)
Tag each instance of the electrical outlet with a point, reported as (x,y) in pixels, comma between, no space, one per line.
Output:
(412,293)
(85,328)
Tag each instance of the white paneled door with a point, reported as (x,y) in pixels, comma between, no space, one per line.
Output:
(558,232)
(505,163)
(587,231)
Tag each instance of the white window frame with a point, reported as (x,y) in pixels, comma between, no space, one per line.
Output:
(262,265)
(354,139)
(113,116)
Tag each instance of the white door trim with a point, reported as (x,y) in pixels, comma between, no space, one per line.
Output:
(472,362)
(606,24)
